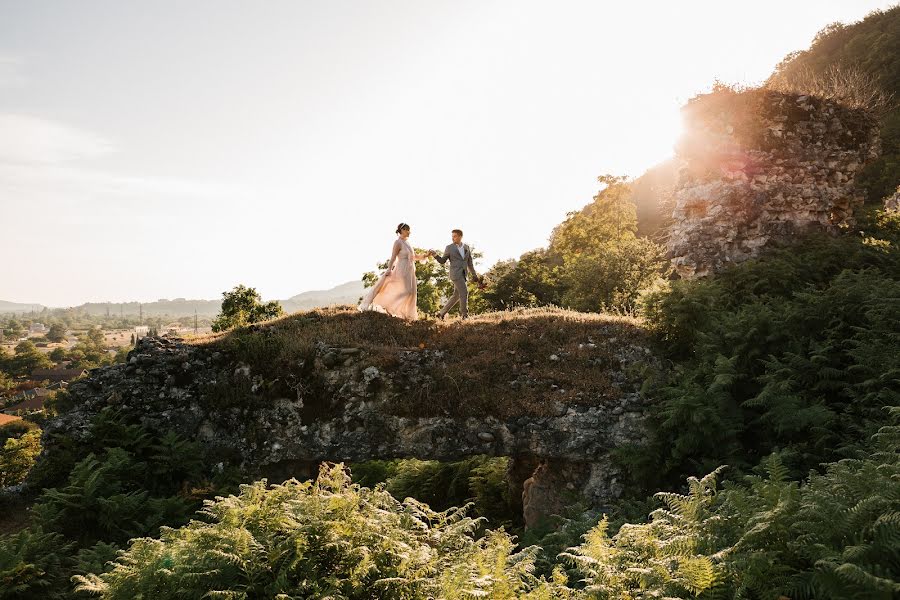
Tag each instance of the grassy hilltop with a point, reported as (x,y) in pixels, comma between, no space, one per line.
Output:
(500,364)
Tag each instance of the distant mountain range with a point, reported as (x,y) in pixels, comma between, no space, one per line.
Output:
(346,293)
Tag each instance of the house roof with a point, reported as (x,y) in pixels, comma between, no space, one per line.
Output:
(4,419)
(31,403)
(55,375)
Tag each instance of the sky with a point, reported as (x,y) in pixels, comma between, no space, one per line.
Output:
(174,149)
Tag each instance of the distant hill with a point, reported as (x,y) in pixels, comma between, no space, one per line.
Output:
(18,307)
(346,293)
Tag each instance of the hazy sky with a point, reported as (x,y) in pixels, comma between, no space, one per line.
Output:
(175,149)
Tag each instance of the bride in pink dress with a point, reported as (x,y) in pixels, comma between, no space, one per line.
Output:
(395,291)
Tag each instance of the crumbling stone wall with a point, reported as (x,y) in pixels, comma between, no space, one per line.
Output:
(203,395)
(759,167)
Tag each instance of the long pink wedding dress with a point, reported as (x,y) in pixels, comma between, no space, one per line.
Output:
(395,291)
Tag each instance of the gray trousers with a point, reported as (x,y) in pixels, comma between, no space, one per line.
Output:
(461,295)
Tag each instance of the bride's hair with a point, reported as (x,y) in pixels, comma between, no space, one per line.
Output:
(401,227)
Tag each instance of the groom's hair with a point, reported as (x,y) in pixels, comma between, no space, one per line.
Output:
(459,231)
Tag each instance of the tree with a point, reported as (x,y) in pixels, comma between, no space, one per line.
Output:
(28,358)
(94,337)
(90,351)
(243,306)
(13,328)
(595,261)
(5,382)
(57,333)
(17,456)
(611,216)
(530,281)
(58,355)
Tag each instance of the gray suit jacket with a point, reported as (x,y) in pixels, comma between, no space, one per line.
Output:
(458,265)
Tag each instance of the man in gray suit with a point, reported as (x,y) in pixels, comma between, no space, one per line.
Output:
(460,257)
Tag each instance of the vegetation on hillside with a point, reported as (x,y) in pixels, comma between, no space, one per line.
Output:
(796,352)
(496,364)
(595,260)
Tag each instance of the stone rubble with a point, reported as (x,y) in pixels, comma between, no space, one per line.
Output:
(759,168)
(230,410)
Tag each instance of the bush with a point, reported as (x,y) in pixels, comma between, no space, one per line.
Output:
(797,352)
(18,455)
(330,539)
(836,535)
(480,480)
(244,306)
(33,564)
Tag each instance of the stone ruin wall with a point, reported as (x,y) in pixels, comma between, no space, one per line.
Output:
(760,167)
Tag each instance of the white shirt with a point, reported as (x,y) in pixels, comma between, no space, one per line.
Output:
(462,250)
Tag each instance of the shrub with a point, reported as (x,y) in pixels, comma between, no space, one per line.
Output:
(330,538)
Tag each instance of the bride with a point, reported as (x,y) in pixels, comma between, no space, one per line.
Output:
(395,291)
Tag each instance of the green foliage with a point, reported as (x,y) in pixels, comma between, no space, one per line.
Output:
(532,280)
(6,381)
(612,276)
(57,333)
(13,328)
(797,351)
(15,429)
(595,260)
(18,455)
(90,352)
(668,557)
(58,355)
(243,306)
(102,501)
(327,539)
(26,359)
(120,482)
(480,481)
(835,535)
(33,564)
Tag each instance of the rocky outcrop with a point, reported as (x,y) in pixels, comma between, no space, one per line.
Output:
(340,409)
(892,202)
(760,167)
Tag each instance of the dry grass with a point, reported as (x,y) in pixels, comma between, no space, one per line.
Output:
(495,364)
(849,86)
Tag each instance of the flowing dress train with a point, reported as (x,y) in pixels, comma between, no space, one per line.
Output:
(395,291)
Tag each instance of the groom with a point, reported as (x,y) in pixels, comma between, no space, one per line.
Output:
(460,258)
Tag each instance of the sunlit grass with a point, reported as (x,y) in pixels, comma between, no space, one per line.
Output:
(503,363)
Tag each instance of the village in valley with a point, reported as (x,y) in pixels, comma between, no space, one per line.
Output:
(43,349)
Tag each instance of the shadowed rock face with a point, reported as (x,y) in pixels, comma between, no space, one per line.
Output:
(340,409)
(760,167)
